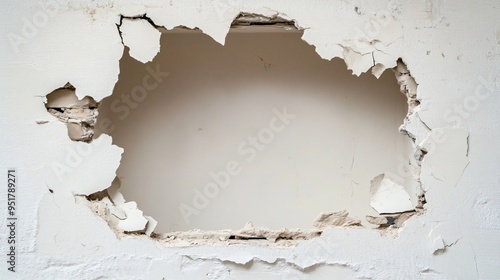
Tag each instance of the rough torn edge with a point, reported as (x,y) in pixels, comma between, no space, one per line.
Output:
(245,20)
(112,213)
(108,205)
(79,116)
(408,86)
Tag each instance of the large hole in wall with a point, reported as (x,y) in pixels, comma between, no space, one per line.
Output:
(261,129)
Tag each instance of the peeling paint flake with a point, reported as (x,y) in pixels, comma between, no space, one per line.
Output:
(135,220)
(141,37)
(387,196)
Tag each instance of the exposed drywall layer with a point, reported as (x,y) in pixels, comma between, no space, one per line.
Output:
(79,116)
(451,47)
(261,130)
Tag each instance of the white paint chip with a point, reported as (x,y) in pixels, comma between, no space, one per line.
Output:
(135,220)
(151,225)
(142,38)
(387,196)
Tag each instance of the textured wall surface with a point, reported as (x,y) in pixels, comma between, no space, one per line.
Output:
(450,47)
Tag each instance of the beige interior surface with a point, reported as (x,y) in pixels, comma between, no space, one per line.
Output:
(199,120)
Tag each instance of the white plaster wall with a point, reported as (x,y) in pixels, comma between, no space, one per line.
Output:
(451,48)
(342,133)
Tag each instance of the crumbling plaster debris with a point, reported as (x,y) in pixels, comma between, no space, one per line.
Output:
(412,125)
(127,218)
(116,211)
(335,219)
(123,219)
(395,221)
(80,116)
(388,197)
(135,220)
(251,19)
(276,237)
(407,84)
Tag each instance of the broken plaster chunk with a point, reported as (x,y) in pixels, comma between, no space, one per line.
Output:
(406,82)
(77,132)
(396,221)
(79,115)
(151,225)
(135,220)
(141,37)
(446,156)
(388,197)
(335,219)
(113,214)
(381,221)
(114,194)
(117,212)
